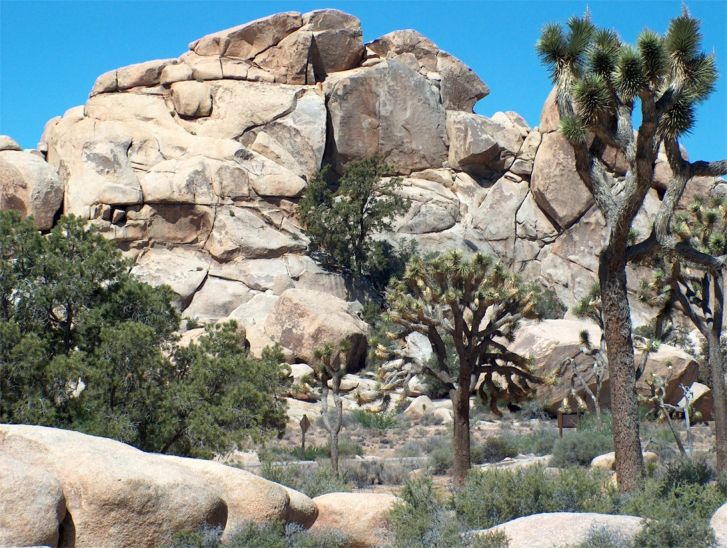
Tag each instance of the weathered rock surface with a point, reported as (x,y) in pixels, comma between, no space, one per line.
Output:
(115,494)
(363,517)
(304,320)
(550,342)
(29,185)
(100,492)
(607,462)
(32,505)
(719,524)
(564,528)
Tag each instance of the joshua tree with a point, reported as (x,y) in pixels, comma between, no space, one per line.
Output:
(700,293)
(476,306)
(600,81)
(330,365)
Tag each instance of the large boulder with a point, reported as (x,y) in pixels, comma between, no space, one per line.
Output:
(719,524)
(250,497)
(387,110)
(32,506)
(564,528)
(555,183)
(363,517)
(459,86)
(115,495)
(29,185)
(479,145)
(550,342)
(303,321)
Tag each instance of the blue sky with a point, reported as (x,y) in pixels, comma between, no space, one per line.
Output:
(51,52)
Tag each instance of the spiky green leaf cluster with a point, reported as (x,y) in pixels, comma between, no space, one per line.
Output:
(629,75)
(592,98)
(705,225)
(573,129)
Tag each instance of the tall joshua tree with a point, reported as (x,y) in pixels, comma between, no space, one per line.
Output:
(600,82)
(473,306)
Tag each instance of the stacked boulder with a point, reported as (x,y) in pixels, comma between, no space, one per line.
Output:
(194,167)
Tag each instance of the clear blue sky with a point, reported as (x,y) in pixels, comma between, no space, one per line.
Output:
(51,52)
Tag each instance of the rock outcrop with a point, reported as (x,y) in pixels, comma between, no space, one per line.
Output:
(550,342)
(194,165)
(363,517)
(565,528)
(100,492)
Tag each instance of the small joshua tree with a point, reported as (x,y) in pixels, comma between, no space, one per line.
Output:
(600,81)
(475,306)
(699,293)
(330,365)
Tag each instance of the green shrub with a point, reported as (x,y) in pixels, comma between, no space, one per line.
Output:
(206,537)
(491,497)
(420,520)
(604,537)
(441,459)
(374,421)
(493,539)
(494,449)
(539,442)
(580,447)
(680,532)
(311,480)
(365,473)
(686,471)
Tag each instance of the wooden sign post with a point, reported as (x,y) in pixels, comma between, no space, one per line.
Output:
(304,426)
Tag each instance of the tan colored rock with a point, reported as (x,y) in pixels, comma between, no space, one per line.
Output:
(8,143)
(248,40)
(175,73)
(387,110)
(182,269)
(502,202)
(563,528)
(288,60)
(719,524)
(177,223)
(238,231)
(460,87)
(217,298)
(192,99)
(702,403)
(143,74)
(480,145)
(304,320)
(115,495)
(32,505)
(420,407)
(248,497)
(550,342)
(549,117)
(336,39)
(607,462)
(555,184)
(31,186)
(433,208)
(363,517)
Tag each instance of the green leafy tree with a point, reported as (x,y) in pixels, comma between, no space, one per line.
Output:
(476,305)
(600,82)
(342,218)
(85,345)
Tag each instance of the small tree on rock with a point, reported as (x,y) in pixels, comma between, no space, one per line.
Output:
(341,218)
(475,306)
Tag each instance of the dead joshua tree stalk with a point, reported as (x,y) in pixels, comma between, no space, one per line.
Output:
(330,365)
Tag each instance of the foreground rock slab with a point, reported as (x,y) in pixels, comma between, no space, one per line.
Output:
(719,524)
(116,495)
(363,517)
(563,528)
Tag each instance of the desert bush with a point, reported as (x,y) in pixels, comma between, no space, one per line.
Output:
(421,520)
(491,497)
(311,480)
(538,442)
(374,421)
(494,449)
(603,537)
(441,459)
(493,539)
(580,447)
(376,472)
(686,471)
(206,537)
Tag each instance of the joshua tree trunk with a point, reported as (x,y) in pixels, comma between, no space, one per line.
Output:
(621,366)
(716,365)
(461,408)
(334,429)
